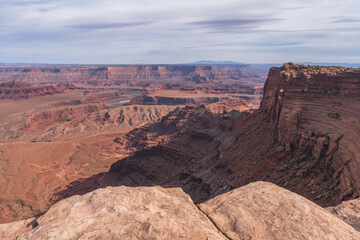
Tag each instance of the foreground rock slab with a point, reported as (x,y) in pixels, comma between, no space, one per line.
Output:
(259,210)
(121,213)
(263,210)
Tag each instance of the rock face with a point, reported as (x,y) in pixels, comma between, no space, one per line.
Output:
(257,211)
(121,213)
(264,211)
(349,212)
(314,113)
(20,90)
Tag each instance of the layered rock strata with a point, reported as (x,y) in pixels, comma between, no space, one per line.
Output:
(104,73)
(20,90)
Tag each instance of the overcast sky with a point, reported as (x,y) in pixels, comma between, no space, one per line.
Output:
(179,31)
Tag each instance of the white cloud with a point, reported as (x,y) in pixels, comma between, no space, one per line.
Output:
(159,31)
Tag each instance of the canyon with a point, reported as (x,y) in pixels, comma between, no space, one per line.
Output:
(50,139)
(292,140)
(241,166)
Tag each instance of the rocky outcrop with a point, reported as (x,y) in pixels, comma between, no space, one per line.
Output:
(20,90)
(120,213)
(215,104)
(349,212)
(158,100)
(82,119)
(231,104)
(257,211)
(187,122)
(264,211)
(15,84)
(249,90)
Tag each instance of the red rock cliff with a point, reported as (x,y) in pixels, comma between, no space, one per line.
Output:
(315,113)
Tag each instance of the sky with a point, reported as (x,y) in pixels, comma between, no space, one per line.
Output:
(173,31)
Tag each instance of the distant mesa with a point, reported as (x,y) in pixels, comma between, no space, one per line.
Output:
(161,73)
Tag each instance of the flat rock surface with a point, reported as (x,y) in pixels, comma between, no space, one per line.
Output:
(263,210)
(122,213)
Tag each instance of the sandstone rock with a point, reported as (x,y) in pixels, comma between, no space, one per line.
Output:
(15,84)
(83,119)
(257,211)
(264,211)
(230,104)
(121,213)
(21,90)
(10,231)
(349,211)
(315,110)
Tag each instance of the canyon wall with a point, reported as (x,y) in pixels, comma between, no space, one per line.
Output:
(315,114)
(127,72)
